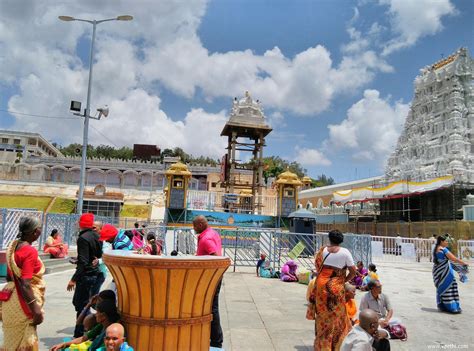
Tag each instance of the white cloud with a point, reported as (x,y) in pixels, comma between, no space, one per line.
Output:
(276,120)
(306,84)
(138,118)
(412,20)
(311,157)
(371,128)
(160,47)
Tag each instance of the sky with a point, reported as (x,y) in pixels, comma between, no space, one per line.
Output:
(335,77)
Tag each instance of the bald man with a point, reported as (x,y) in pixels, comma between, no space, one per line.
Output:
(366,336)
(115,338)
(209,243)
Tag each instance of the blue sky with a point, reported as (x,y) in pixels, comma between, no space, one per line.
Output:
(335,77)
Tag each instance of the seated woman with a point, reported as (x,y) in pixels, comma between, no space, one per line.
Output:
(152,247)
(106,315)
(288,272)
(55,246)
(266,271)
(361,272)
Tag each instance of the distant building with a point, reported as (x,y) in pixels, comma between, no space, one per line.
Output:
(16,146)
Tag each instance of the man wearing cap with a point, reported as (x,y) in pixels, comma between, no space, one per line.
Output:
(84,280)
(118,239)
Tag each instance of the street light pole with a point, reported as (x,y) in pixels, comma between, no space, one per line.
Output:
(85,137)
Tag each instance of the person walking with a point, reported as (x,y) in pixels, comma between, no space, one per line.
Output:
(332,323)
(209,243)
(447,296)
(22,311)
(84,280)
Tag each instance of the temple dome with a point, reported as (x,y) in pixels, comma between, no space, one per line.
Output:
(288,178)
(178,168)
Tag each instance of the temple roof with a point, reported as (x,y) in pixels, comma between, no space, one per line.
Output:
(246,118)
(288,178)
(178,168)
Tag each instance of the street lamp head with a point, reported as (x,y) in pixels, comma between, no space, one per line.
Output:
(124,18)
(66,18)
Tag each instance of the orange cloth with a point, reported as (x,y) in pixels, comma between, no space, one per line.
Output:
(351,309)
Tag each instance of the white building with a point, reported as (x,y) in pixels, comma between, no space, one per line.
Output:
(19,145)
(438,137)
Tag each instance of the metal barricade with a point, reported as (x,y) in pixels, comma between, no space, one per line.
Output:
(466,250)
(10,220)
(67,225)
(400,249)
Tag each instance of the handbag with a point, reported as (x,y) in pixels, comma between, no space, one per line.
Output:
(397,331)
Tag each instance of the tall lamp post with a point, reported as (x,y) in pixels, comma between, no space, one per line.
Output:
(80,200)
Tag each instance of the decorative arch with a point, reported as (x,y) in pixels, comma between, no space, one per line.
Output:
(95,176)
(130,178)
(320,204)
(113,178)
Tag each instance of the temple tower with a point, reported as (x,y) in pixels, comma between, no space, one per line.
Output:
(178,177)
(246,130)
(287,187)
(438,136)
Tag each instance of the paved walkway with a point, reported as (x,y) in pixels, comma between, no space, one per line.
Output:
(266,314)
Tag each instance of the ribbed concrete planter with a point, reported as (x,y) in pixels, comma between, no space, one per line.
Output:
(166,302)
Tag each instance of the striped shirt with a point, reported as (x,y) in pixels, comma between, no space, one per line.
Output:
(122,242)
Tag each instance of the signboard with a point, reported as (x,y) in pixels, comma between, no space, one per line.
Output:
(297,250)
(231,198)
(145,152)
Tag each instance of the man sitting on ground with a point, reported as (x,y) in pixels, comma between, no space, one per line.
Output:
(365,335)
(375,300)
(115,338)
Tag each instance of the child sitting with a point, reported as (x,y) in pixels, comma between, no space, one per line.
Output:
(371,276)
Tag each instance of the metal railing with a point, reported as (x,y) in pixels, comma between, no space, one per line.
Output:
(466,250)
(214,201)
(399,249)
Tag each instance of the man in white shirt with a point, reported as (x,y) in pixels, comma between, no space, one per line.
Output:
(361,337)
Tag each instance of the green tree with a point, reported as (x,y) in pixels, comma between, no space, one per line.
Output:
(321,180)
(274,165)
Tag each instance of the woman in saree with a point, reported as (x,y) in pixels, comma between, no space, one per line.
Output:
(361,272)
(23,310)
(332,263)
(447,296)
(55,246)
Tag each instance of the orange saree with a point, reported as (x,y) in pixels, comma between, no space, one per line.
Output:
(332,323)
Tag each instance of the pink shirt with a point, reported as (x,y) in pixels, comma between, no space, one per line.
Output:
(209,243)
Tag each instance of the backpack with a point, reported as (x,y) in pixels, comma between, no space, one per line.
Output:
(397,331)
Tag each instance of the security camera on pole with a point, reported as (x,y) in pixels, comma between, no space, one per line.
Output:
(76,106)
